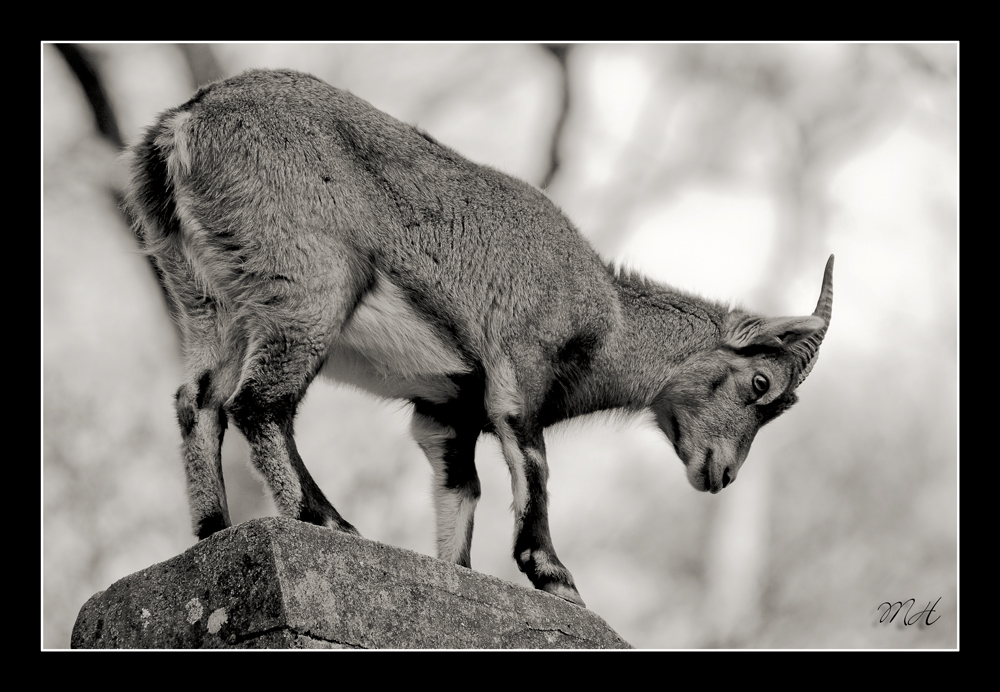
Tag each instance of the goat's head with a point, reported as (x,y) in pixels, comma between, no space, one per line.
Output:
(713,407)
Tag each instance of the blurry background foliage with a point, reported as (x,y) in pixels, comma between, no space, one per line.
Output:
(729,170)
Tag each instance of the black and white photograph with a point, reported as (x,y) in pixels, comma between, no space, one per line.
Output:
(520,346)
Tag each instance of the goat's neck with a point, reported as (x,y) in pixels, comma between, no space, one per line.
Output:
(660,328)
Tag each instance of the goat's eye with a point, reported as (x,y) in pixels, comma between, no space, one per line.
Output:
(760,384)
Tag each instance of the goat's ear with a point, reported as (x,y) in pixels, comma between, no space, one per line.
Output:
(799,336)
(778,332)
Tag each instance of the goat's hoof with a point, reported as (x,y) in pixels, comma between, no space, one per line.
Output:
(567,593)
(342,526)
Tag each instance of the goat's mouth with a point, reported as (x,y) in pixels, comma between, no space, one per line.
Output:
(707,477)
(699,480)
(706,485)
(713,483)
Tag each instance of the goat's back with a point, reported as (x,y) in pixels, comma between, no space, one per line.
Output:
(302,179)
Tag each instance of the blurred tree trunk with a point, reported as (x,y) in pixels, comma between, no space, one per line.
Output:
(201,63)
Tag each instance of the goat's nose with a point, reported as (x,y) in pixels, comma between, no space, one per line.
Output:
(726,478)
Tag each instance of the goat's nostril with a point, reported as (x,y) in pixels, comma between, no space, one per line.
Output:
(725,478)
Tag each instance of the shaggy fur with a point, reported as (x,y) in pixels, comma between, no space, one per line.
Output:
(299,231)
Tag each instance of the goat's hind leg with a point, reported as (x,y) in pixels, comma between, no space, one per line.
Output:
(203,421)
(280,368)
(199,401)
(203,424)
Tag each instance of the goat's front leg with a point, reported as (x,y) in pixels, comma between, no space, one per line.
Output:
(450,446)
(524,451)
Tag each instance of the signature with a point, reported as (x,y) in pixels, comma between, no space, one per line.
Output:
(908,619)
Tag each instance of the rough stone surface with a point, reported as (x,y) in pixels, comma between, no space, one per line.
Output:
(279,583)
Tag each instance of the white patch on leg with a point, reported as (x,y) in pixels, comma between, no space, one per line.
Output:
(455,510)
(431,436)
(515,463)
(503,397)
(538,459)
(543,565)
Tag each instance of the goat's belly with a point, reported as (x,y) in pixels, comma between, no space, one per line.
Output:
(354,368)
(388,349)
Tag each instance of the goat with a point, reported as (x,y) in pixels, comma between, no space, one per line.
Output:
(300,231)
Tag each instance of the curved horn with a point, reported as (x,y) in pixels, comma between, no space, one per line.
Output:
(824,310)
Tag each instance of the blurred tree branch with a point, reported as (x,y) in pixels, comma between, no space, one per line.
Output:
(560,52)
(86,73)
